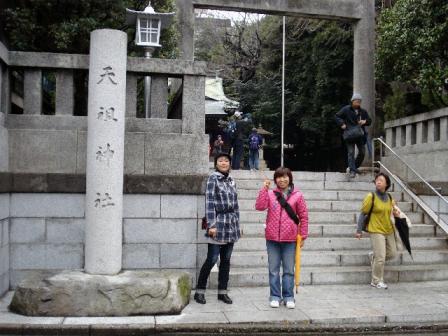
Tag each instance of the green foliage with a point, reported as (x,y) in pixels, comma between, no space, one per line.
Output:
(318,83)
(65,25)
(394,106)
(413,46)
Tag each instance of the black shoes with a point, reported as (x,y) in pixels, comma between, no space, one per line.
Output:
(199,298)
(224,298)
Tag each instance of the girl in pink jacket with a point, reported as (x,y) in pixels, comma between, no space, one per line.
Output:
(281,234)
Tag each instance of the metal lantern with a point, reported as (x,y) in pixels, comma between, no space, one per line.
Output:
(148,25)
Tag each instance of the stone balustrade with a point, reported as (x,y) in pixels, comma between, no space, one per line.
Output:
(422,141)
(36,143)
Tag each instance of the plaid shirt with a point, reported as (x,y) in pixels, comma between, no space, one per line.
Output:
(221,207)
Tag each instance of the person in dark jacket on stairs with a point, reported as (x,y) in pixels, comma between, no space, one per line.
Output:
(347,118)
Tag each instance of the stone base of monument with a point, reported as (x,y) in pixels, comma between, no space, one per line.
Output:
(75,293)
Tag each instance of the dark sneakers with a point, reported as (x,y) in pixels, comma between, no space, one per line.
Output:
(224,298)
(199,298)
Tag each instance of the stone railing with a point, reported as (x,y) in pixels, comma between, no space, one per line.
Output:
(46,144)
(422,141)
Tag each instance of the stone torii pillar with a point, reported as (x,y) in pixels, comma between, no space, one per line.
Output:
(105,151)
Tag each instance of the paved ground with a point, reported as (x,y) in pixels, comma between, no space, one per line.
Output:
(319,307)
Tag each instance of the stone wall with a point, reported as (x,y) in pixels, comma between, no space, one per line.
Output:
(47,233)
(4,243)
(422,141)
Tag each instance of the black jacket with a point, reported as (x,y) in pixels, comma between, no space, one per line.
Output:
(348,116)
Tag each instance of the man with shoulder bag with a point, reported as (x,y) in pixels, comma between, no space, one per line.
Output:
(352,119)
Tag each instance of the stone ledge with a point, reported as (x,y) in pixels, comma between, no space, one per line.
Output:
(75,293)
(76,183)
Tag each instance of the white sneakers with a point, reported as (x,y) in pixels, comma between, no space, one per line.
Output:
(380,285)
(290,304)
(275,304)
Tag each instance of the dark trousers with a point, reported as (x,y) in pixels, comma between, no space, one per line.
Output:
(353,163)
(224,252)
(237,153)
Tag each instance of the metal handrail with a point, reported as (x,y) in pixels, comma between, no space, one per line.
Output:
(434,215)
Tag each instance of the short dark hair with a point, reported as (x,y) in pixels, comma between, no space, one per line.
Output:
(386,177)
(282,171)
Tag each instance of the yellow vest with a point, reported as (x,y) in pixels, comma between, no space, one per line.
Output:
(380,218)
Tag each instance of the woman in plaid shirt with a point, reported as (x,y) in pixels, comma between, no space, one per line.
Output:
(223,228)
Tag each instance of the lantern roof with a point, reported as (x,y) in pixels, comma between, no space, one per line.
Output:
(131,15)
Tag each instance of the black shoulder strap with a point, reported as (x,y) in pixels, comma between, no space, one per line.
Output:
(285,205)
(371,208)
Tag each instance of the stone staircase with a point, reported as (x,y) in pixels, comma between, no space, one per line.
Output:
(331,254)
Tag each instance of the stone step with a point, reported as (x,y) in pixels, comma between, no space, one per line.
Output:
(340,243)
(323,195)
(311,185)
(300,176)
(341,230)
(321,217)
(342,258)
(251,277)
(247,204)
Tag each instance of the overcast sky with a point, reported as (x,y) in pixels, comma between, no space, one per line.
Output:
(234,16)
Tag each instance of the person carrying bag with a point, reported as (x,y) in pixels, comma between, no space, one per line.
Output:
(286,210)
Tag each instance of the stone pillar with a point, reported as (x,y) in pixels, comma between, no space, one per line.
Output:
(185,19)
(131,95)
(193,105)
(159,97)
(408,135)
(389,135)
(419,135)
(444,129)
(1,86)
(431,131)
(65,92)
(105,151)
(5,96)
(363,59)
(32,91)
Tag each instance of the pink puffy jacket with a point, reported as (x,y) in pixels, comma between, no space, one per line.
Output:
(279,226)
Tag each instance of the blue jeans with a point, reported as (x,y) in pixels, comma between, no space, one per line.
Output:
(215,251)
(281,254)
(253,159)
(353,163)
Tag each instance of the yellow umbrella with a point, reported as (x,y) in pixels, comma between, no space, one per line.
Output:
(297,266)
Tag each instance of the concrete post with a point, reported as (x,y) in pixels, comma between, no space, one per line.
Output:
(431,131)
(105,151)
(363,58)
(131,96)
(32,90)
(159,97)
(65,92)
(5,98)
(389,135)
(444,129)
(193,105)
(1,86)
(185,19)
(408,135)
(419,135)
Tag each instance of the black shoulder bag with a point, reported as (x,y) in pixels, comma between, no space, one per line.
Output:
(366,220)
(285,205)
